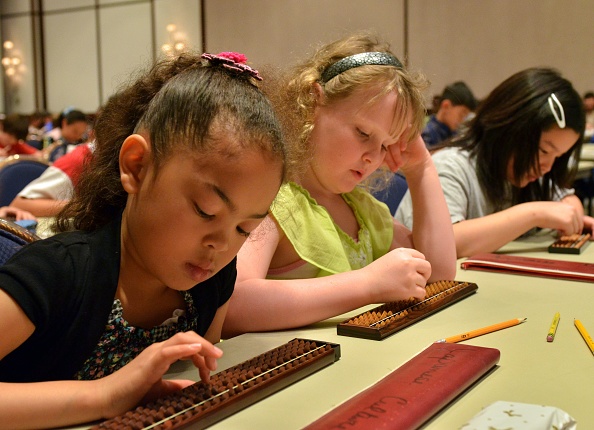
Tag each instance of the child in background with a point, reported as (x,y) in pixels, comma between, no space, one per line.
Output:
(13,136)
(455,105)
(328,246)
(46,195)
(94,317)
(69,130)
(511,169)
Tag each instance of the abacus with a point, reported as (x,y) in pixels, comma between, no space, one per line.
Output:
(387,319)
(230,390)
(572,244)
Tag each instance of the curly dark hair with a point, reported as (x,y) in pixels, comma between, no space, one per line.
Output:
(179,103)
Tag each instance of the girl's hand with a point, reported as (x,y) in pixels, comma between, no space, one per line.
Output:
(140,381)
(559,216)
(407,156)
(399,275)
(588,224)
(16,213)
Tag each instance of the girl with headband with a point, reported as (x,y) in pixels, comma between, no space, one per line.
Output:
(328,246)
(512,169)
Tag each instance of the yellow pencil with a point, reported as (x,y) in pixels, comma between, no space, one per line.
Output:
(584,334)
(553,329)
(481,331)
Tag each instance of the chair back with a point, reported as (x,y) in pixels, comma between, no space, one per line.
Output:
(16,172)
(393,194)
(12,238)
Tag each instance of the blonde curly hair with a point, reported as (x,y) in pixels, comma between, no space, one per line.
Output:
(295,97)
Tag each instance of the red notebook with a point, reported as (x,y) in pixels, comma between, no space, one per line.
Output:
(413,393)
(531,266)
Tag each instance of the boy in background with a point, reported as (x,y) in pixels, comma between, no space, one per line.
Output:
(456,103)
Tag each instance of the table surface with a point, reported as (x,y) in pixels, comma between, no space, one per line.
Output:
(531,370)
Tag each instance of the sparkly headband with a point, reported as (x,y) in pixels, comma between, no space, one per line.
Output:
(357,60)
(232,61)
(560,118)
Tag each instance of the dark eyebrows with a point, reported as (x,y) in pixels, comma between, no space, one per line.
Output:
(230,204)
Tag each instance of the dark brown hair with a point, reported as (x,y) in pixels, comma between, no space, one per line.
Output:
(508,126)
(181,103)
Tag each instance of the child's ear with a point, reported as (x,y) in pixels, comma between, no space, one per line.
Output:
(318,93)
(446,104)
(134,161)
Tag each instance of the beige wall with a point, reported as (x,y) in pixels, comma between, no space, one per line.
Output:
(283,31)
(479,41)
(91,46)
(485,41)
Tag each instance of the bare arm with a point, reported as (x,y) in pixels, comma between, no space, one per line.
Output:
(60,403)
(489,233)
(260,304)
(432,232)
(213,335)
(39,207)
(16,213)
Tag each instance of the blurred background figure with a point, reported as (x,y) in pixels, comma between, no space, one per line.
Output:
(38,126)
(70,129)
(13,136)
(456,103)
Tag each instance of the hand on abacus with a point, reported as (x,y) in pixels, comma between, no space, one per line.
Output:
(559,216)
(140,381)
(588,225)
(400,274)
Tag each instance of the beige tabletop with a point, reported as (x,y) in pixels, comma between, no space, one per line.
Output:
(531,370)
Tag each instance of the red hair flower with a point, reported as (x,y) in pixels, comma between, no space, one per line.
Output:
(235,56)
(234,62)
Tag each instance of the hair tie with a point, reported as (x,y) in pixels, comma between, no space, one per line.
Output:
(559,118)
(357,60)
(232,61)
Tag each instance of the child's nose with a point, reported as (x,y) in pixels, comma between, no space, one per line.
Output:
(218,241)
(375,156)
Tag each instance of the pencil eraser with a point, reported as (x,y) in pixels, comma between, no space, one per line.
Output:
(550,338)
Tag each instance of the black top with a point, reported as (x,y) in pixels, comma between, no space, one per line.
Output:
(66,285)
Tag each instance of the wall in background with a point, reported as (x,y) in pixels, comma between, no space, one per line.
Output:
(90,47)
(482,42)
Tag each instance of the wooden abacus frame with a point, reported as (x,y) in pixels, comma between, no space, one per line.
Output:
(202,405)
(573,244)
(385,320)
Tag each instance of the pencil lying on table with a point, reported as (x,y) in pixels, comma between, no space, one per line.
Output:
(584,334)
(481,331)
(553,329)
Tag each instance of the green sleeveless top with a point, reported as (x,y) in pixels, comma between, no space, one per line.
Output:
(320,242)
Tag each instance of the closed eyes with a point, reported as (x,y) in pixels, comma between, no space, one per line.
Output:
(209,217)
(367,136)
